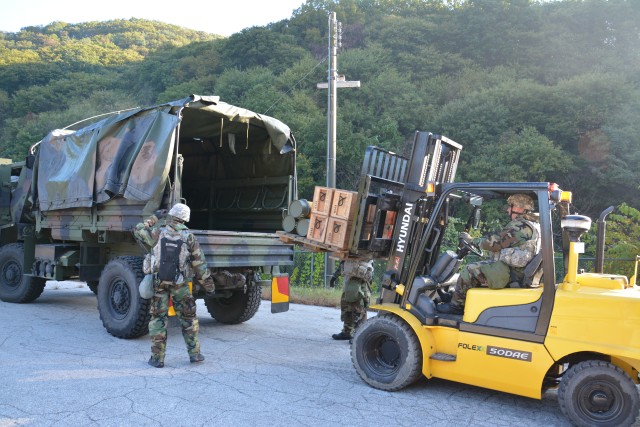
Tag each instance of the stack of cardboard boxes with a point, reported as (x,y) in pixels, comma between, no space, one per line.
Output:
(331,216)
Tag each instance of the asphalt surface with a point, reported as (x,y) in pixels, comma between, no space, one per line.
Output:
(61,368)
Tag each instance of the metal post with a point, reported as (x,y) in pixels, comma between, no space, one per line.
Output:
(332,73)
(602,227)
(333,95)
(333,83)
(312,268)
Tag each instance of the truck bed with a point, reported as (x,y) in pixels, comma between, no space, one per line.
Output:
(226,249)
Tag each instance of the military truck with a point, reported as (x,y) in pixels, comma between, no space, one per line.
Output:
(568,330)
(68,210)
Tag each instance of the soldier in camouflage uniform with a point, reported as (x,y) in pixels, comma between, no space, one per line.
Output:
(191,261)
(511,250)
(355,295)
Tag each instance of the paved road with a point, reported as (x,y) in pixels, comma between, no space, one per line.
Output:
(61,368)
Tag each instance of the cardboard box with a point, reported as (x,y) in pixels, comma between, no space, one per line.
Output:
(367,229)
(317,227)
(322,197)
(387,231)
(344,204)
(338,233)
(371,213)
(389,223)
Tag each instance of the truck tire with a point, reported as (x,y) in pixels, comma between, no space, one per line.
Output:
(93,286)
(237,308)
(386,353)
(598,393)
(14,285)
(123,313)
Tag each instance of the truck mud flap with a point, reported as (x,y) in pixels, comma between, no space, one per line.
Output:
(280,294)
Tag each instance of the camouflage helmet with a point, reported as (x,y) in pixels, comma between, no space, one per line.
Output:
(180,211)
(521,201)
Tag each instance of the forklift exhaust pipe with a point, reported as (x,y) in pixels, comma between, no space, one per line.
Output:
(602,229)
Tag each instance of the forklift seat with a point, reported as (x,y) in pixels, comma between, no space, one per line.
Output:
(532,274)
(446,266)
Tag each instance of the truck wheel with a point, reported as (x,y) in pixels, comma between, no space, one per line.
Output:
(14,285)
(386,353)
(93,286)
(598,393)
(237,308)
(123,313)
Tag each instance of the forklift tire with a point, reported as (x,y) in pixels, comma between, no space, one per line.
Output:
(14,285)
(598,393)
(386,353)
(123,312)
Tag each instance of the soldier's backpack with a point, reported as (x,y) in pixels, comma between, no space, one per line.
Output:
(360,269)
(169,256)
(169,265)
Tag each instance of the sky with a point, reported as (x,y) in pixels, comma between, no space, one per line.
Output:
(224,17)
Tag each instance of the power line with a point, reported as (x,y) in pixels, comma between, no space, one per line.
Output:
(296,84)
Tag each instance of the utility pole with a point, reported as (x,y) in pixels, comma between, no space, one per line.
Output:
(334,81)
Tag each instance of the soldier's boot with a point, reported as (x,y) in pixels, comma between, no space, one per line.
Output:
(158,333)
(342,336)
(196,358)
(449,308)
(445,296)
(156,363)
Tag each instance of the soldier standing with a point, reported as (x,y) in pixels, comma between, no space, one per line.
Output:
(175,258)
(511,249)
(355,294)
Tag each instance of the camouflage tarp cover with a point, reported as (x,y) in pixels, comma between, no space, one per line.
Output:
(129,154)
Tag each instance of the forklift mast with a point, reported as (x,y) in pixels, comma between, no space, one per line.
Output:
(396,199)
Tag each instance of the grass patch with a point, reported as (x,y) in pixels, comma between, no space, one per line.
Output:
(324,297)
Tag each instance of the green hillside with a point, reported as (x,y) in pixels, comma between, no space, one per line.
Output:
(533,90)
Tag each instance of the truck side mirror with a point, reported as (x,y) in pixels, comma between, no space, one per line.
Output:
(30,161)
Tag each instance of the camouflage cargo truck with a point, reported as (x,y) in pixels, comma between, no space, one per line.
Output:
(67,212)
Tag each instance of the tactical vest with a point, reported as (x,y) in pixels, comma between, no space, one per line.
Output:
(360,269)
(520,255)
(169,258)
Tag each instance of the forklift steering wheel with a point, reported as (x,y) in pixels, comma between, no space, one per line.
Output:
(471,247)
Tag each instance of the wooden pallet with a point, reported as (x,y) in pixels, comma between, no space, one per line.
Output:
(312,245)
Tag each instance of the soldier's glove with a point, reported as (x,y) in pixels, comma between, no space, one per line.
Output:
(465,237)
(149,222)
(208,285)
(332,282)
(445,296)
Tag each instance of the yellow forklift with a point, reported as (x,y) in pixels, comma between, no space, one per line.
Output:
(578,333)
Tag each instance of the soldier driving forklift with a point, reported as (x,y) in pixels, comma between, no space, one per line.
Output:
(511,250)
(577,334)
